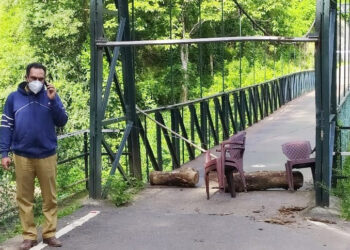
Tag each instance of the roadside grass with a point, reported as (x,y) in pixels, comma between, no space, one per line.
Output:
(11,226)
(119,192)
(342,189)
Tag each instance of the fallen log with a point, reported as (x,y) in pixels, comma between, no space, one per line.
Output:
(262,180)
(184,177)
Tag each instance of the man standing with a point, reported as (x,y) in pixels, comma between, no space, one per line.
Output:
(28,131)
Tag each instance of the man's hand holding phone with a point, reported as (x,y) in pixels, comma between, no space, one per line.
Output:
(51,91)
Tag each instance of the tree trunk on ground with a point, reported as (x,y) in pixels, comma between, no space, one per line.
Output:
(262,180)
(184,176)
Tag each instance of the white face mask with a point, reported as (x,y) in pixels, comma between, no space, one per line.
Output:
(35,86)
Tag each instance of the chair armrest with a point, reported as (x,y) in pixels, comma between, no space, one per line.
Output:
(235,145)
(232,142)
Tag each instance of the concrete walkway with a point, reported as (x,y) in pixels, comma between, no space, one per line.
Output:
(182,218)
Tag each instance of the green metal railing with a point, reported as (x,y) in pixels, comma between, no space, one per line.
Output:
(342,80)
(207,121)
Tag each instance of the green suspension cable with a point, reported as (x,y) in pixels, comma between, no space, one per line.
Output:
(240,50)
(223,46)
(200,51)
(274,62)
(171,52)
(254,80)
(282,65)
(265,66)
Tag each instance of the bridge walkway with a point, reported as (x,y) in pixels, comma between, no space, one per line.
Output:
(181,218)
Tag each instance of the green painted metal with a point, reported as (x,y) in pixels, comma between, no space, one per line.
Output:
(184,133)
(121,148)
(171,148)
(86,159)
(325,97)
(149,151)
(96,26)
(112,65)
(130,93)
(232,111)
(111,155)
(159,145)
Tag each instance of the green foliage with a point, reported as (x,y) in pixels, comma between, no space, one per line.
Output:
(121,192)
(343,189)
(63,27)
(15,50)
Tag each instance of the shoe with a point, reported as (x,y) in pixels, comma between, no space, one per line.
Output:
(27,244)
(52,242)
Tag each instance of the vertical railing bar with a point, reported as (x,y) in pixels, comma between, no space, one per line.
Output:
(172,151)
(86,160)
(246,108)
(230,114)
(192,128)
(196,123)
(240,114)
(222,118)
(184,134)
(149,151)
(204,125)
(159,145)
(175,127)
(211,125)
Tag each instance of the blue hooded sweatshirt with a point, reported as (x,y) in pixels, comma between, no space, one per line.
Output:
(28,123)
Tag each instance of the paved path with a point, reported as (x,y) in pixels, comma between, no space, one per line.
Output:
(182,218)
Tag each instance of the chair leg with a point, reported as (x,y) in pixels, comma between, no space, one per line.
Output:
(230,182)
(207,184)
(289,177)
(313,175)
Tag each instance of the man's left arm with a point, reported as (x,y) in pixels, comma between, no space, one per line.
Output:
(60,116)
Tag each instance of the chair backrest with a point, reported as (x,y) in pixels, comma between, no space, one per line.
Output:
(235,149)
(238,138)
(297,150)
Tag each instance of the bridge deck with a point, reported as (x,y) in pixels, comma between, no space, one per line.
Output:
(182,218)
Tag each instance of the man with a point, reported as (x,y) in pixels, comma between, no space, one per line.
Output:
(28,131)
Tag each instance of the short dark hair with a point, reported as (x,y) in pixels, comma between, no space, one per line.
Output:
(35,65)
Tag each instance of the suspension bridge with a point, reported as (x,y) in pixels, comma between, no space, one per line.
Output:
(310,104)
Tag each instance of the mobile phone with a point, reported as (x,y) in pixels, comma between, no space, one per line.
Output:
(45,83)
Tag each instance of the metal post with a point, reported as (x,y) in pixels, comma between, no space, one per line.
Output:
(129,93)
(96,26)
(86,160)
(325,98)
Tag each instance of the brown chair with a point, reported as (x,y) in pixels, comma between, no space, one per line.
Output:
(231,159)
(298,154)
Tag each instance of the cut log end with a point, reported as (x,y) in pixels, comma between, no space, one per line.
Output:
(183,177)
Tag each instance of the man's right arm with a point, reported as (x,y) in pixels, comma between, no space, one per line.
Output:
(6,131)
